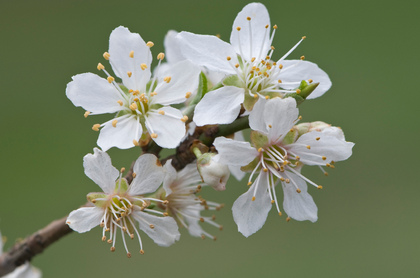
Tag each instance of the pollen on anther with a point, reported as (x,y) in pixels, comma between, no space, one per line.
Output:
(96,127)
(109,241)
(253,198)
(317,139)
(152,226)
(103,238)
(167,79)
(302,57)
(131,54)
(143,66)
(287,181)
(326,174)
(300,117)
(275,27)
(298,190)
(86,114)
(150,44)
(110,79)
(280,66)
(249,183)
(319,187)
(272,47)
(304,37)
(228,58)
(255,95)
(135,143)
(154,135)
(134,175)
(114,123)
(141,251)
(184,118)
(308,147)
(188,94)
(161,112)
(272,201)
(310,80)
(270,126)
(100,66)
(238,28)
(106,55)
(133,106)
(122,170)
(129,73)
(288,219)
(161,56)
(112,249)
(266,26)
(248,18)
(267,97)
(324,158)
(237,66)
(298,91)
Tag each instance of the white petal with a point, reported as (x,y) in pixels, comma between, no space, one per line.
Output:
(208,51)
(188,176)
(220,106)
(121,43)
(335,132)
(170,176)
(93,93)
(168,127)
(329,146)
(253,38)
(250,215)
(234,152)
(24,271)
(299,206)
(237,172)
(149,175)
(305,70)
(165,231)
(98,167)
(281,114)
(257,117)
(121,136)
(184,78)
(173,52)
(84,219)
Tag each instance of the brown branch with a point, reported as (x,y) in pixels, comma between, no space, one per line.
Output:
(33,245)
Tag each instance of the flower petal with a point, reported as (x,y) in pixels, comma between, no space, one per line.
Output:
(299,206)
(168,127)
(208,51)
(84,219)
(95,94)
(250,215)
(149,175)
(121,43)
(165,231)
(234,152)
(184,78)
(220,106)
(170,176)
(319,148)
(122,135)
(173,52)
(253,39)
(98,167)
(236,172)
(297,70)
(25,271)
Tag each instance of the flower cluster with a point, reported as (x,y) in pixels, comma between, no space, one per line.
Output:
(196,102)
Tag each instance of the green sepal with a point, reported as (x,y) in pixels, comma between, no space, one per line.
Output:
(308,89)
(258,139)
(92,198)
(299,99)
(251,166)
(249,101)
(233,80)
(124,89)
(202,88)
(121,188)
(291,136)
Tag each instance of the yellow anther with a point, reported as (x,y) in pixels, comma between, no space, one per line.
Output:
(129,73)
(317,138)
(324,158)
(259,73)
(310,80)
(120,102)
(134,175)
(270,126)
(86,114)
(274,63)
(280,213)
(188,94)
(272,201)
(141,251)
(266,26)
(288,219)
(267,97)
(131,54)
(161,56)
(298,190)
(122,170)
(280,66)
(249,183)
(253,198)
(252,59)
(221,228)
(297,157)
(287,181)
(167,79)
(143,66)
(203,237)
(332,166)
(201,219)
(248,18)
(109,241)
(96,127)
(282,179)
(133,106)
(218,36)
(267,57)
(265,170)
(298,91)
(228,58)
(153,94)
(319,187)
(132,236)
(275,27)
(304,37)
(300,117)
(279,81)
(308,147)
(184,118)
(326,174)
(112,248)
(103,238)
(302,57)
(238,28)
(152,226)
(150,44)
(285,162)
(110,79)
(237,66)
(114,123)
(100,66)
(106,55)
(260,149)
(255,95)
(161,112)
(328,165)
(131,90)
(154,135)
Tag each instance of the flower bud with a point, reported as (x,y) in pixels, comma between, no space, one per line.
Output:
(213,173)
(308,127)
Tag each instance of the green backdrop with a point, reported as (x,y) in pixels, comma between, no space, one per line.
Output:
(368,210)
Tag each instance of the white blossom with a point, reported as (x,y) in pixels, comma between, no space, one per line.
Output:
(121,205)
(142,104)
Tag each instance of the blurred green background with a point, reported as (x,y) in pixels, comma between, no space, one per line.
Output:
(368,211)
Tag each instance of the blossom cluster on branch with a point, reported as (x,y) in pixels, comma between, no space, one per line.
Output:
(201,84)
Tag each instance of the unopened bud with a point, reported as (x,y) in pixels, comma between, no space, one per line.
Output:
(212,173)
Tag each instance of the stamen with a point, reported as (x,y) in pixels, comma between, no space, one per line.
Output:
(86,114)
(106,55)
(110,79)
(143,66)
(150,44)
(161,56)
(167,79)
(188,94)
(131,54)
(100,66)
(129,73)
(114,123)
(96,127)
